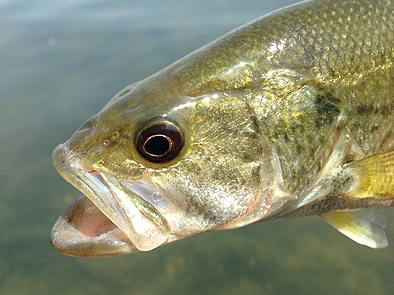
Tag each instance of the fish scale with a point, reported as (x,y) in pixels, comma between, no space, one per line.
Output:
(289,115)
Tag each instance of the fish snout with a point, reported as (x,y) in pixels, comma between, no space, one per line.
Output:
(84,133)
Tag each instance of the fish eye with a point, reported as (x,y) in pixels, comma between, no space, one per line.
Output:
(160,140)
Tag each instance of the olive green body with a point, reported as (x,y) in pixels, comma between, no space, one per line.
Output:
(306,74)
(272,115)
(333,70)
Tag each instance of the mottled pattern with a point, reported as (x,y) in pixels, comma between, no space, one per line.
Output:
(215,172)
(262,109)
(342,51)
(306,73)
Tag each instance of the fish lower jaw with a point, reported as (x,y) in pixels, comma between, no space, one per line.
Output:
(84,231)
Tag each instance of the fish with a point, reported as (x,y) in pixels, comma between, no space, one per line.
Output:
(290,115)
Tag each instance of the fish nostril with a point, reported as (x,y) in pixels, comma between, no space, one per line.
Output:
(84,133)
(89,124)
(88,128)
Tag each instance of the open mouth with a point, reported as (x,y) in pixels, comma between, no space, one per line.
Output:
(84,231)
(108,219)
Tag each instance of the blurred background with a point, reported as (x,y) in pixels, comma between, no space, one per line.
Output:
(60,62)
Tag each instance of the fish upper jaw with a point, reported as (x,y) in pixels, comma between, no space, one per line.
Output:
(110,217)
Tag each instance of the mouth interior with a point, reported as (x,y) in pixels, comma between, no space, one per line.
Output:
(94,223)
(84,231)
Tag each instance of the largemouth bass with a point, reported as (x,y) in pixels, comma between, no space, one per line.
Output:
(290,115)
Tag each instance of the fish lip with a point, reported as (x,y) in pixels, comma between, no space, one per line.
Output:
(67,237)
(98,187)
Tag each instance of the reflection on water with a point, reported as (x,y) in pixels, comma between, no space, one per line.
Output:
(61,62)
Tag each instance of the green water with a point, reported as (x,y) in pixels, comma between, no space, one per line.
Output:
(61,61)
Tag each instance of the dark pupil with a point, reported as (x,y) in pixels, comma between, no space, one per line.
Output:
(160,141)
(157,145)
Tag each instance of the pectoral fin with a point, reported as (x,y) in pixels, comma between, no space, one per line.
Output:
(375,176)
(363,227)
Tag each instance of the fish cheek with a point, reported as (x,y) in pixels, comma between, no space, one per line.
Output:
(220,172)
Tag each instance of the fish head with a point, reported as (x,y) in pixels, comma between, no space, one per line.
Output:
(158,164)
(176,154)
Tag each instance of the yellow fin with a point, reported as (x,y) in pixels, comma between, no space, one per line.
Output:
(375,175)
(363,227)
